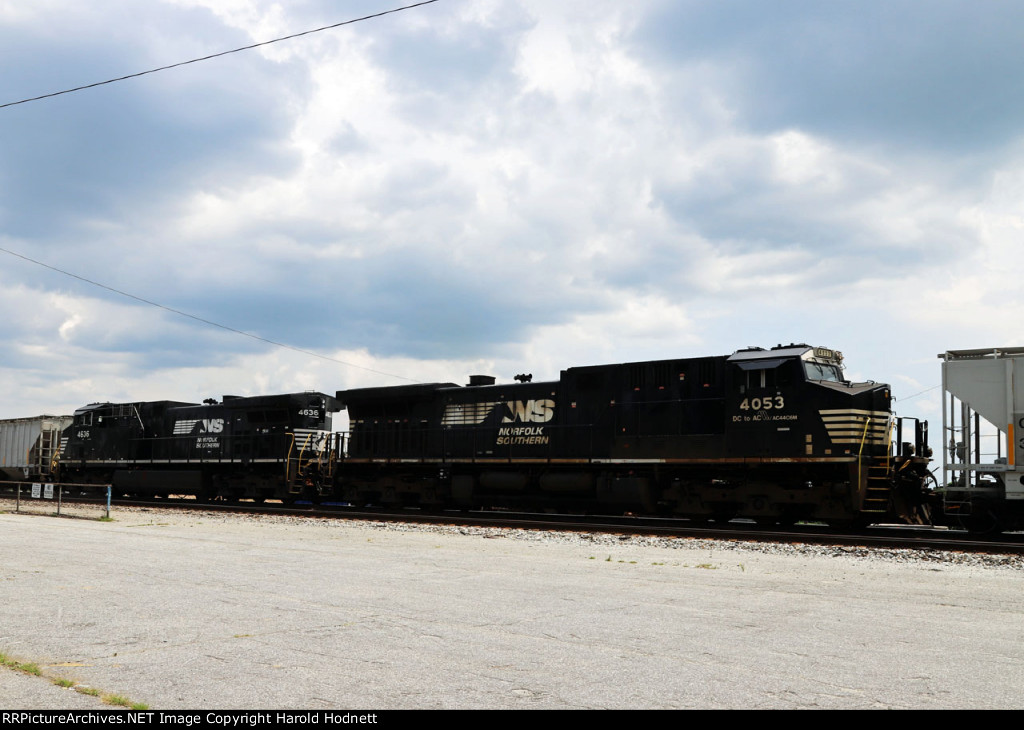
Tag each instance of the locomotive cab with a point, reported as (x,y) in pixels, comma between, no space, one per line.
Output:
(793,401)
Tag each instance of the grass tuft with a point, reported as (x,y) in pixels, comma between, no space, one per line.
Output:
(33,668)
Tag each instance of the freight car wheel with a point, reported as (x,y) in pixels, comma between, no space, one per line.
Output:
(982,520)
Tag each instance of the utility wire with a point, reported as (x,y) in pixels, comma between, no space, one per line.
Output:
(185,63)
(200,319)
(926,390)
(217,55)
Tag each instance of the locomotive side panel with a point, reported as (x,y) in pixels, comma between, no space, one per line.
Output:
(511,422)
(650,410)
(392,423)
(108,436)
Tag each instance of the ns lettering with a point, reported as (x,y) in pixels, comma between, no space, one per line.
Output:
(531,411)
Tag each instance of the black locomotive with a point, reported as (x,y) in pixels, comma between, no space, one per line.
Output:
(773,435)
(268,446)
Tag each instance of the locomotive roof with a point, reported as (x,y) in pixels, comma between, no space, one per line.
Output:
(801,351)
(389,392)
(276,400)
(108,404)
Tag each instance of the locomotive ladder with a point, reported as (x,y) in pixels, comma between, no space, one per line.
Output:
(878,490)
(296,485)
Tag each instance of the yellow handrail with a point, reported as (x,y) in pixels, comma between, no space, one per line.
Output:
(288,459)
(860,452)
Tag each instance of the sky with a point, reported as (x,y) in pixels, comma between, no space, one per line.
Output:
(499,187)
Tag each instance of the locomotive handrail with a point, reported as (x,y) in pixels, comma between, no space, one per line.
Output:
(298,459)
(288,459)
(864,435)
(860,451)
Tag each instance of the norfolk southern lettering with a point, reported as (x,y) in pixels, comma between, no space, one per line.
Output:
(522,436)
(531,411)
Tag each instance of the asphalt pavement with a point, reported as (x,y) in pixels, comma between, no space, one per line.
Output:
(212,612)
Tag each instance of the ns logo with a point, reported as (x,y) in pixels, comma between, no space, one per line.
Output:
(208,425)
(531,411)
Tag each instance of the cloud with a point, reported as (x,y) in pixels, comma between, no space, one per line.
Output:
(878,74)
(97,156)
(499,187)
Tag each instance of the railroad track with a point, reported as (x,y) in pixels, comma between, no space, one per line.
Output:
(880,537)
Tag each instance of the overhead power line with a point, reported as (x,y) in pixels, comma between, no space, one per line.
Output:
(218,55)
(926,390)
(200,319)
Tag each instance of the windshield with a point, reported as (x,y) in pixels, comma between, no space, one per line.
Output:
(821,371)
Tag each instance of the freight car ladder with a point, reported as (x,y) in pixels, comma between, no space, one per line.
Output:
(878,489)
(43,454)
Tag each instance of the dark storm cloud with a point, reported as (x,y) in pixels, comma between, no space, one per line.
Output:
(896,75)
(406,301)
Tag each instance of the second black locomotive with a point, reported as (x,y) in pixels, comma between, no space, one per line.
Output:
(275,446)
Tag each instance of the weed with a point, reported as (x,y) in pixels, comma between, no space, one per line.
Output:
(707,566)
(33,668)
(27,667)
